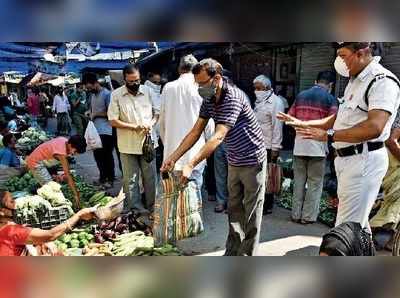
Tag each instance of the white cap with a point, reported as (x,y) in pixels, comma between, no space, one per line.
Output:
(263,80)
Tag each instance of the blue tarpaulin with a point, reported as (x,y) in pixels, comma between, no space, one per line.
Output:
(28,57)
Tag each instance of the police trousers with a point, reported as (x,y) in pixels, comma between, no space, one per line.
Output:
(359,180)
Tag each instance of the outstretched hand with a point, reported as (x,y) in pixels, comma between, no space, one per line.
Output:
(290,120)
(311,133)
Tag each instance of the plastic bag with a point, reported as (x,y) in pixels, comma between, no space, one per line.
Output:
(92,137)
(177,211)
(148,149)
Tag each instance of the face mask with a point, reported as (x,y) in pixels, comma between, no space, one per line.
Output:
(156,88)
(341,67)
(261,95)
(134,87)
(208,92)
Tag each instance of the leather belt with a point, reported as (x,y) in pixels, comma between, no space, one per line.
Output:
(358,149)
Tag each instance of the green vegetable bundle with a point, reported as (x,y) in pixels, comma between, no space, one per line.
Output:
(25,183)
(86,190)
(74,240)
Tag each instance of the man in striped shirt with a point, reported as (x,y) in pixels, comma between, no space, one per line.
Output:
(237,125)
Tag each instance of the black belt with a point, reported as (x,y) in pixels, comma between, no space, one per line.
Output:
(358,149)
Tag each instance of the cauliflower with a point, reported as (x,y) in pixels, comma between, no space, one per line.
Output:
(52,192)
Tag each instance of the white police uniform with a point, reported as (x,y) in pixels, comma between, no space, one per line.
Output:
(361,169)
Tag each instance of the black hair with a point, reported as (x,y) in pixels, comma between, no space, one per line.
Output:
(152,74)
(89,78)
(7,139)
(326,77)
(115,84)
(129,69)
(59,90)
(3,125)
(35,90)
(79,143)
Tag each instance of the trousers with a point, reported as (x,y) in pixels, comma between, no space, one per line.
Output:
(359,180)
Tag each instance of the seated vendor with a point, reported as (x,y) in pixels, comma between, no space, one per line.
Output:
(57,149)
(8,155)
(14,237)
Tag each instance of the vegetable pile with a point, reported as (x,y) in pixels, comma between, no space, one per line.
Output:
(31,208)
(98,250)
(99,199)
(35,209)
(138,244)
(32,137)
(52,192)
(86,190)
(24,183)
(108,231)
(74,240)
(327,214)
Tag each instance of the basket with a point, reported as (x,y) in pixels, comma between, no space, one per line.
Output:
(113,209)
(52,218)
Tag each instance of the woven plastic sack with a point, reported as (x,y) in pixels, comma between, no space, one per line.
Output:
(177,211)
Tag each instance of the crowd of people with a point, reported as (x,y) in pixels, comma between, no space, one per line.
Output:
(205,128)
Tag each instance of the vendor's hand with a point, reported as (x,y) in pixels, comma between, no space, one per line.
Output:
(186,173)
(86,214)
(168,165)
(311,133)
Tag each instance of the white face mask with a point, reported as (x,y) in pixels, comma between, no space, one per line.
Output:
(156,88)
(261,95)
(341,67)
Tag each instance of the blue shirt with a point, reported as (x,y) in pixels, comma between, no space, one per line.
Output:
(99,104)
(9,158)
(244,141)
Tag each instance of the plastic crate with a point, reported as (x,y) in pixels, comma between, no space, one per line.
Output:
(52,218)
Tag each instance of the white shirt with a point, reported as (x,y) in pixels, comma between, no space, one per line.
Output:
(156,98)
(383,95)
(61,104)
(180,107)
(137,110)
(266,111)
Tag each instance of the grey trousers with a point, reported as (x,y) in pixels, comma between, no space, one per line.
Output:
(133,166)
(307,170)
(246,187)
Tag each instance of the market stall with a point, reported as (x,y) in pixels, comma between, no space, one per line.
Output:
(111,234)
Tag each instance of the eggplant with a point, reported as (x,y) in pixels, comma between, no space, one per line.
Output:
(111,225)
(108,234)
(117,222)
(99,239)
(119,228)
(104,225)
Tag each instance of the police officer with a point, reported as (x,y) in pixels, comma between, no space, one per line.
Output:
(359,129)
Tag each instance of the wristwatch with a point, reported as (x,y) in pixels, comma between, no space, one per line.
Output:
(330,134)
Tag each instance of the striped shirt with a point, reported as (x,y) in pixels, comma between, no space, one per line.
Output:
(244,141)
(314,104)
